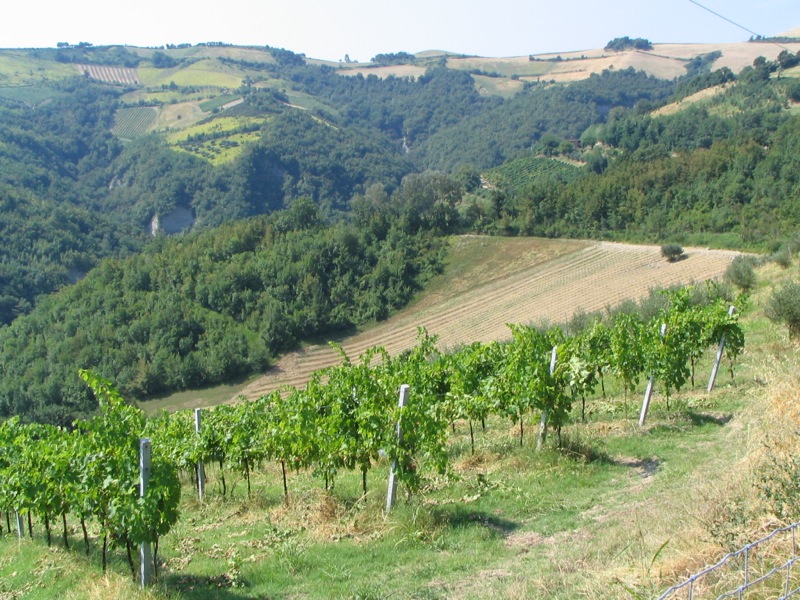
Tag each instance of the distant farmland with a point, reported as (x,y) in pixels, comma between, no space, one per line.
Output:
(111,74)
(130,123)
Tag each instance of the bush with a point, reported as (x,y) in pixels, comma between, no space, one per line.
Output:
(741,274)
(672,252)
(782,257)
(784,307)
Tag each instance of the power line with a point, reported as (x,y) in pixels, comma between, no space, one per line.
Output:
(724,18)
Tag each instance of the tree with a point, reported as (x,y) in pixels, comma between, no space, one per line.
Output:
(741,274)
(784,307)
(161,60)
(672,252)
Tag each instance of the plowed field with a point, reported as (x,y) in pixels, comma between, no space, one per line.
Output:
(539,280)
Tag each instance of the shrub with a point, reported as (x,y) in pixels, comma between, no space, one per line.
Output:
(784,307)
(741,274)
(672,252)
(782,257)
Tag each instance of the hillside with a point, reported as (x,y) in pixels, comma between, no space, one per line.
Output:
(492,282)
(637,508)
(408,159)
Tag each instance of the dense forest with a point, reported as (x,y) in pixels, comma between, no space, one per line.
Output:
(334,216)
(208,307)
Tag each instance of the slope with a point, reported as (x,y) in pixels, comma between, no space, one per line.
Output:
(491,282)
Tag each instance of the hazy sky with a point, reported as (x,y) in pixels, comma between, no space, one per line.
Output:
(361,28)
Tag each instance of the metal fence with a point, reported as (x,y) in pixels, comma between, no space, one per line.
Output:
(752,571)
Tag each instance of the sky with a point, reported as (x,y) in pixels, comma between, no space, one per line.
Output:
(361,28)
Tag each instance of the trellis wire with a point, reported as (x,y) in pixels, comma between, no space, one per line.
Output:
(746,553)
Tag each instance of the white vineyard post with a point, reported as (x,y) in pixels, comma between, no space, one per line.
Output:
(201,472)
(543,425)
(718,359)
(392,492)
(648,393)
(145,555)
(20,526)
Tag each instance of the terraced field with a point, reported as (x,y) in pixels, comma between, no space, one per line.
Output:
(111,74)
(497,281)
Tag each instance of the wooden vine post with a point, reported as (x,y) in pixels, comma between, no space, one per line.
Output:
(543,425)
(145,554)
(648,393)
(718,359)
(201,472)
(20,525)
(392,492)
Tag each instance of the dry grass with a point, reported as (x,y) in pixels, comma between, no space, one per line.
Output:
(702,95)
(113,586)
(384,72)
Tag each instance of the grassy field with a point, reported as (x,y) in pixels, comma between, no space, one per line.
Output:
(201,73)
(219,140)
(17,68)
(616,512)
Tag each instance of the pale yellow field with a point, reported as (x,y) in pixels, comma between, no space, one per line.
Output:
(179,115)
(494,86)
(494,282)
(671,109)
(384,72)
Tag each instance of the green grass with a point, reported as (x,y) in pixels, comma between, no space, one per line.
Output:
(17,67)
(202,73)
(218,140)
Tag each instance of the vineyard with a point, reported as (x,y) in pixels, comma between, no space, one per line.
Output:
(346,418)
(130,123)
(533,281)
(516,174)
(111,74)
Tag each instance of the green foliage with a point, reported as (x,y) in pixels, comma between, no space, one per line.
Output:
(784,307)
(92,472)
(624,43)
(210,307)
(394,58)
(672,252)
(161,60)
(490,138)
(741,273)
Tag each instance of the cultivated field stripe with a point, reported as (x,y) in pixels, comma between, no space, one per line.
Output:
(589,279)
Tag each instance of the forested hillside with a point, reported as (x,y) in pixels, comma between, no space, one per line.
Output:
(724,171)
(207,307)
(60,159)
(361,177)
